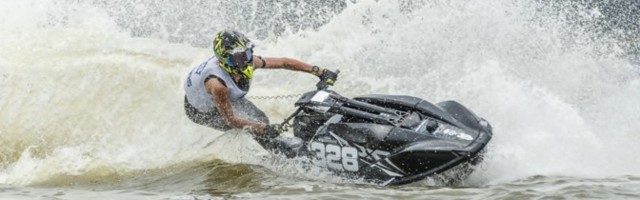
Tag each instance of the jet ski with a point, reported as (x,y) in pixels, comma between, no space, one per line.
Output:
(385,139)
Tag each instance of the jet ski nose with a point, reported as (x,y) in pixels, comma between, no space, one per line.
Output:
(485,123)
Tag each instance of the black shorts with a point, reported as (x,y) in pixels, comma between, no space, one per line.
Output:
(242,108)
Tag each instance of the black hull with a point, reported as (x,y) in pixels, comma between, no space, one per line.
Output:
(389,140)
(405,162)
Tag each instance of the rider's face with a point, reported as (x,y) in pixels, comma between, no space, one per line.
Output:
(240,58)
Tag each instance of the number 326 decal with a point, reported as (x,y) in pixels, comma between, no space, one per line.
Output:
(335,157)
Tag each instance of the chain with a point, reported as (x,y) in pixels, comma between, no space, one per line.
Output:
(291,96)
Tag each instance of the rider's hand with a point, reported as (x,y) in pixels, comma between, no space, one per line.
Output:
(329,77)
(259,128)
(273,130)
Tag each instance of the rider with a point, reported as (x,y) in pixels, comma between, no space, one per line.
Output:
(215,89)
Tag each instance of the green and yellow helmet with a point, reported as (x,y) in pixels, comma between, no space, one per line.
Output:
(234,52)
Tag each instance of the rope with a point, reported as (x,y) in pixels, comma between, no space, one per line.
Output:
(290,96)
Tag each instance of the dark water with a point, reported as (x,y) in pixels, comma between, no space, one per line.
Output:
(91,98)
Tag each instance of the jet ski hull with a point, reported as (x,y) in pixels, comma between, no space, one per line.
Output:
(388,139)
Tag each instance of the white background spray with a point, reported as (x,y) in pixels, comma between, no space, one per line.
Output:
(80,95)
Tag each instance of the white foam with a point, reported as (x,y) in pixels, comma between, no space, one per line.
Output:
(89,95)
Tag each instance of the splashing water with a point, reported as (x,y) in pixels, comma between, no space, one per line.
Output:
(93,90)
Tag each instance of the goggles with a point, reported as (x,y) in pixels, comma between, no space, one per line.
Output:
(240,60)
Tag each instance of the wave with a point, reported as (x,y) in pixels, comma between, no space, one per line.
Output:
(92,90)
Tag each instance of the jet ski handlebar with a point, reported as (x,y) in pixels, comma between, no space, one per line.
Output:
(323,85)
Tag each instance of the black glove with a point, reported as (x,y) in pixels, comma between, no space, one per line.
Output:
(329,77)
(273,130)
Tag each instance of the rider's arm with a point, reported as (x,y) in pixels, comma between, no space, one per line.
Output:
(221,95)
(284,63)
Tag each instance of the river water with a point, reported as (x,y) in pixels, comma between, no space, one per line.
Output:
(91,94)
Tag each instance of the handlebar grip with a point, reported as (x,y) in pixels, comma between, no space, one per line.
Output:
(322,85)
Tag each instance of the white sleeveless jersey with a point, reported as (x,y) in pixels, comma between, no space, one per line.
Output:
(196,93)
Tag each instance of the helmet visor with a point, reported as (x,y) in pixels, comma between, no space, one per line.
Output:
(240,58)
